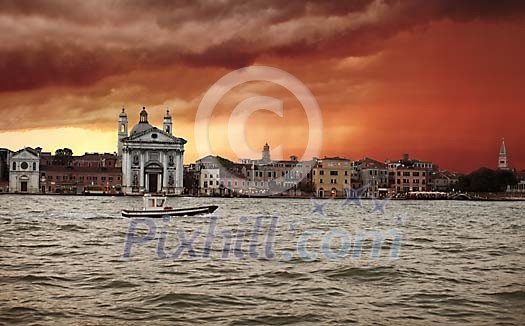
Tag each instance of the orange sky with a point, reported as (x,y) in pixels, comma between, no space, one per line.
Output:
(441,80)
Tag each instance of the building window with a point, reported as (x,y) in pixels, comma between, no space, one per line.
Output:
(334,173)
(321,172)
(320,180)
(34,166)
(14,166)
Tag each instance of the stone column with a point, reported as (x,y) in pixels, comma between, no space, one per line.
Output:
(128,170)
(165,170)
(142,154)
(180,169)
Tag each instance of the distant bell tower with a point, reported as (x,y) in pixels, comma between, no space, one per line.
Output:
(503,163)
(168,125)
(266,154)
(122,129)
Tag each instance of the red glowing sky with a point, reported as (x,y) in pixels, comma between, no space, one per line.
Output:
(441,80)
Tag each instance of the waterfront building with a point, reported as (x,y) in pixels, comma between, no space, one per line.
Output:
(443,181)
(503,163)
(331,177)
(219,176)
(210,181)
(24,167)
(410,179)
(408,174)
(4,169)
(89,173)
(374,176)
(152,159)
(286,177)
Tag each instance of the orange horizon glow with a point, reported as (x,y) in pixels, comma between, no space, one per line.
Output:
(441,81)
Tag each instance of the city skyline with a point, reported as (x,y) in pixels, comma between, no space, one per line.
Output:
(439,80)
(234,158)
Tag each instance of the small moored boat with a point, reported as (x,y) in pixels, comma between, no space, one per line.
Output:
(155,206)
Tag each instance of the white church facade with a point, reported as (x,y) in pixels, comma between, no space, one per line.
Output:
(24,171)
(152,159)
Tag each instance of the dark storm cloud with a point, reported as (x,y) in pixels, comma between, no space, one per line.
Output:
(80,42)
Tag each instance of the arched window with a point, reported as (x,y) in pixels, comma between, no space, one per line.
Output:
(168,129)
(34,166)
(123,128)
(14,166)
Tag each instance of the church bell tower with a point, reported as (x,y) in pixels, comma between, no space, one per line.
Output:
(503,163)
(266,154)
(122,129)
(168,124)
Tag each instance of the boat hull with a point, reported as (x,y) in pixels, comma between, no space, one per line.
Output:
(194,211)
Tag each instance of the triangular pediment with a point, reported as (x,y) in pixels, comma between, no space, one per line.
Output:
(154,135)
(25,153)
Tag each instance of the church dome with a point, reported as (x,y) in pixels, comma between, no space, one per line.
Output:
(143,124)
(140,127)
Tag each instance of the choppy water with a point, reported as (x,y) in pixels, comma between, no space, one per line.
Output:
(61,261)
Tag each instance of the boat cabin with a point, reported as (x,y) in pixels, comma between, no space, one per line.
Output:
(152,203)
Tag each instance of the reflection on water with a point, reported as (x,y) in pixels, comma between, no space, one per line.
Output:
(459,262)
